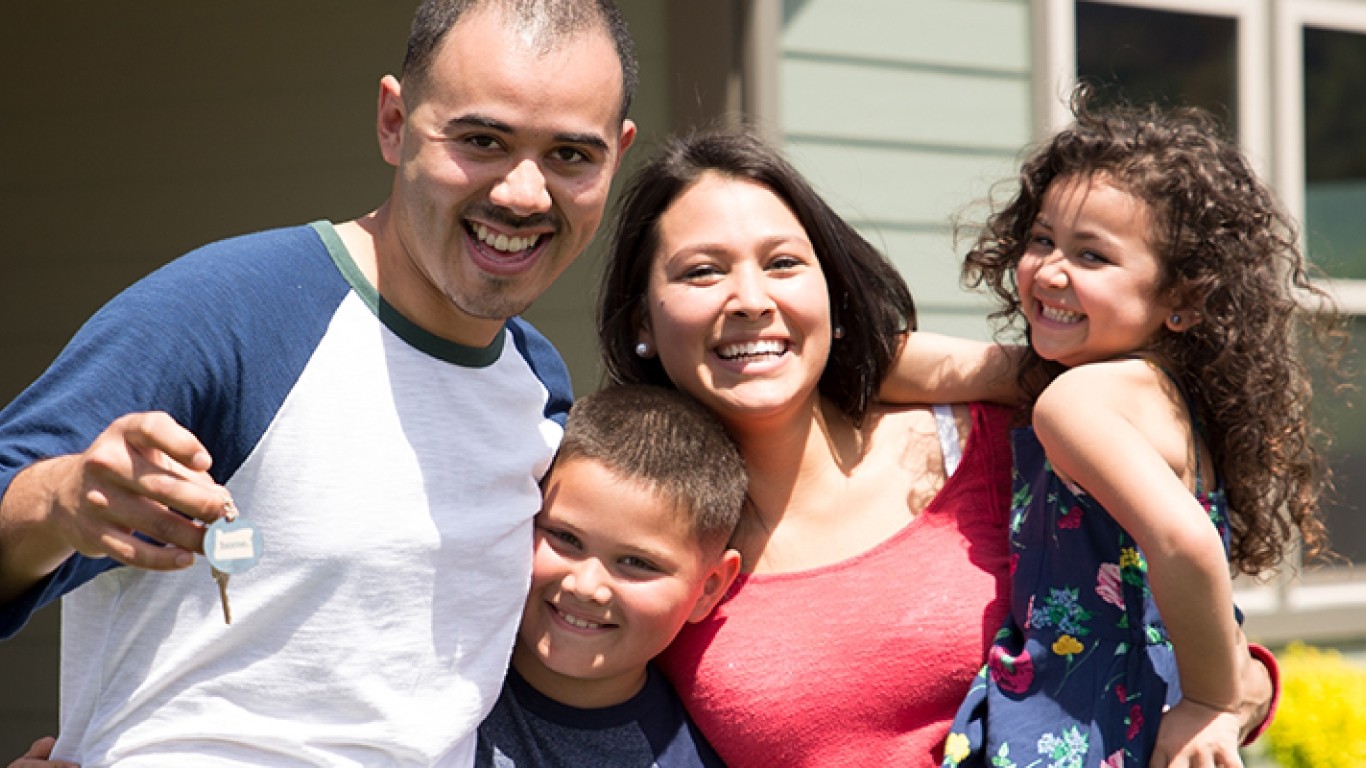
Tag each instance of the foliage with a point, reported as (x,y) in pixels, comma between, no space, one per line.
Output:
(1322,715)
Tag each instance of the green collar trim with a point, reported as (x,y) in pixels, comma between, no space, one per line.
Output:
(412,333)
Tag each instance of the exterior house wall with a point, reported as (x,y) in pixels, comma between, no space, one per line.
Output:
(903,115)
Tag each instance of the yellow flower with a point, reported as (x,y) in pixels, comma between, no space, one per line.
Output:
(1322,717)
(956,748)
(1067,646)
(1129,558)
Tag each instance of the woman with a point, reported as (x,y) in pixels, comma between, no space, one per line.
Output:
(874,543)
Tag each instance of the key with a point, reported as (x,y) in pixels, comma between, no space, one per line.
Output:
(231,545)
(222,579)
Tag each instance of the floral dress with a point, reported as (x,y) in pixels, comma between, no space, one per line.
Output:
(1081,672)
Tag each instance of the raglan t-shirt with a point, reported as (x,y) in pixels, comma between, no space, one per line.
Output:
(528,729)
(392,474)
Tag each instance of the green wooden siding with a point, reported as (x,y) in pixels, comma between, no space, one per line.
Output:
(903,114)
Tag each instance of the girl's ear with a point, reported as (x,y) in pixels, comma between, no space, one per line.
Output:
(1181,320)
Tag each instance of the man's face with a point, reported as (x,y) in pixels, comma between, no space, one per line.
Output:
(505,154)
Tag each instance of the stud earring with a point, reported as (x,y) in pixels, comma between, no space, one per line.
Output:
(839,331)
(1175,318)
(642,349)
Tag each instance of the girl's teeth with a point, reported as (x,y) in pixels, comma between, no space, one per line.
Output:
(1061,315)
(503,243)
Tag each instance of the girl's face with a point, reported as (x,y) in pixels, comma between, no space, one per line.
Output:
(1089,275)
(737,306)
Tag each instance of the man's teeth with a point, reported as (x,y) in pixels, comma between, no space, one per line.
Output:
(1060,315)
(575,621)
(502,242)
(752,349)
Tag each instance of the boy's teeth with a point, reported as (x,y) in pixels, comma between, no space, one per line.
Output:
(503,242)
(752,349)
(577,622)
(1060,315)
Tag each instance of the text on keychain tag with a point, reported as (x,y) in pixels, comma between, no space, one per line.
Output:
(232,546)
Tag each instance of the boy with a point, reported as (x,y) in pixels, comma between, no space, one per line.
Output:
(630,544)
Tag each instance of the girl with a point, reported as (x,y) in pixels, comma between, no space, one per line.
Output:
(1157,282)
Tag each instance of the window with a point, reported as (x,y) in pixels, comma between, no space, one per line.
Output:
(1322,165)
(1173,58)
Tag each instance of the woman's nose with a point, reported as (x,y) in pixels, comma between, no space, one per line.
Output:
(751,298)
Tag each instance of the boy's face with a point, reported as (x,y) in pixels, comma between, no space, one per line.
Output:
(617,572)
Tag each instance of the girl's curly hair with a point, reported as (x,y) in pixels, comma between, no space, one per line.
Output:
(1230,253)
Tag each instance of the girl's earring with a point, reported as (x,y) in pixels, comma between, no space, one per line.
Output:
(839,331)
(1175,320)
(642,349)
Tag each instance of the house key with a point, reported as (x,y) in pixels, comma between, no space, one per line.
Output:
(231,545)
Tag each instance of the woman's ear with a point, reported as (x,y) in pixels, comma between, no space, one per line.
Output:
(645,342)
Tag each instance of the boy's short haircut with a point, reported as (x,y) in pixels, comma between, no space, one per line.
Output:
(669,442)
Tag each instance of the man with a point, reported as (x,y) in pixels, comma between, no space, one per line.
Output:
(359,393)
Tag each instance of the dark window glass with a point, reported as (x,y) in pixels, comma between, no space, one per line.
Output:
(1335,150)
(1342,415)
(1141,55)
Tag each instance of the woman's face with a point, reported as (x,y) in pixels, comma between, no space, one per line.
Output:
(737,305)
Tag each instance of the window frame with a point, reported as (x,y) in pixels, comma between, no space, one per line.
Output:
(1291,17)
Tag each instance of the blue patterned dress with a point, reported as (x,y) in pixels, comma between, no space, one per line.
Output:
(1079,675)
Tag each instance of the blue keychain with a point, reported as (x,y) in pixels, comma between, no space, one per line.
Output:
(231,545)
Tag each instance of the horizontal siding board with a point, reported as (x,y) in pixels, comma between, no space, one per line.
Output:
(916,189)
(987,34)
(952,109)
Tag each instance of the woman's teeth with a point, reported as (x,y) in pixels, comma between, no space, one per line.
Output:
(752,349)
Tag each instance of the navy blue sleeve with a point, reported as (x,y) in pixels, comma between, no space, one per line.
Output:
(548,366)
(215,339)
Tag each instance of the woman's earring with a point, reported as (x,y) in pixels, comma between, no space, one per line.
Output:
(1175,319)
(839,331)
(642,349)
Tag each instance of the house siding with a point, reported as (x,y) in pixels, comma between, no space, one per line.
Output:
(904,123)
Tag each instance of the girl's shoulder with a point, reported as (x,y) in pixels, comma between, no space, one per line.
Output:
(1113,397)
(1124,383)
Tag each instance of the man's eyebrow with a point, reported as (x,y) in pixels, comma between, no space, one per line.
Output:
(477,121)
(484,121)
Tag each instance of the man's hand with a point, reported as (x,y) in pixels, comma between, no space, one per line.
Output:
(144,474)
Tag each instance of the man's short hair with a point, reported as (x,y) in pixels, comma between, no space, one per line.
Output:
(549,22)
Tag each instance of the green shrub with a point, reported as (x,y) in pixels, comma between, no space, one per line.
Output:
(1322,716)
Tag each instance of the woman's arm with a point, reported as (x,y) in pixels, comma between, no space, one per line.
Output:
(1261,693)
(932,368)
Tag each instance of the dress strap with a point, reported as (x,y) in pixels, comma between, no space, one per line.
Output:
(948,437)
(1197,428)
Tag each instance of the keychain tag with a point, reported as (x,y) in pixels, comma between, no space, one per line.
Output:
(232,546)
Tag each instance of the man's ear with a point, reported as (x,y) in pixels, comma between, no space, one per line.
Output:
(624,141)
(389,120)
(723,572)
